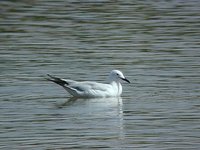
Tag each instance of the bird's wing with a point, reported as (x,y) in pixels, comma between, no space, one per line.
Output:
(86,88)
(87,85)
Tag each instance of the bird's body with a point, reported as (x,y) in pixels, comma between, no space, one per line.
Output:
(93,89)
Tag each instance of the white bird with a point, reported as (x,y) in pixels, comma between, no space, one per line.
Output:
(90,89)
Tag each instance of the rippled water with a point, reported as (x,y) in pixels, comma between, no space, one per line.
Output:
(156,45)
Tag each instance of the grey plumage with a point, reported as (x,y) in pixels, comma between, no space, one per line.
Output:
(91,88)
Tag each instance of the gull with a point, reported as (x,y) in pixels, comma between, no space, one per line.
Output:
(91,89)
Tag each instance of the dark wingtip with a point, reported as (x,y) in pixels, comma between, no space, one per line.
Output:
(56,80)
(48,79)
(49,75)
(52,77)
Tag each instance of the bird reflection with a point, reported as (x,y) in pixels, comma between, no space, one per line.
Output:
(98,109)
(113,101)
(69,102)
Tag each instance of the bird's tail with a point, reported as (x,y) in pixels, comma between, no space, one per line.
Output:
(56,80)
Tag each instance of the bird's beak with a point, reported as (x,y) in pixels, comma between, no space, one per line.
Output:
(126,80)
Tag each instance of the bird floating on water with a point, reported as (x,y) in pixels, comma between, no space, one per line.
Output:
(91,89)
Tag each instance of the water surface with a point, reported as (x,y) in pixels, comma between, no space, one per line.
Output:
(155,44)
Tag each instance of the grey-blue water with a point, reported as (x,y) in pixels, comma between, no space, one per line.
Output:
(155,43)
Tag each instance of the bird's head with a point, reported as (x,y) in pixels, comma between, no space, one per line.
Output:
(116,75)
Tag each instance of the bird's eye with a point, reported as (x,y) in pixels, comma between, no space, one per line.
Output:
(117,74)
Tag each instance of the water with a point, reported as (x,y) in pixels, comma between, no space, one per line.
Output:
(155,44)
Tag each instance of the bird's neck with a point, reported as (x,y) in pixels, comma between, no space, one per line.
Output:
(117,87)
